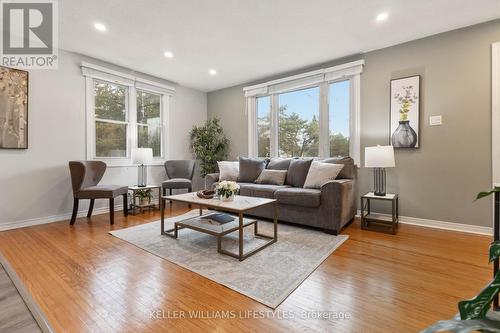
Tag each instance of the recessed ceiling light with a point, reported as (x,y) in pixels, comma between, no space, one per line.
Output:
(382,16)
(99,27)
(212,72)
(168,54)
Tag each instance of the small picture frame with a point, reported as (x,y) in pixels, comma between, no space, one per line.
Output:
(405,112)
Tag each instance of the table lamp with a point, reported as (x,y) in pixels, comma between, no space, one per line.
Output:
(379,158)
(142,156)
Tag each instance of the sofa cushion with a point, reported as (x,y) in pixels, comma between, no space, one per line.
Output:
(320,173)
(304,197)
(228,170)
(349,169)
(272,177)
(260,190)
(250,169)
(297,172)
(278,163)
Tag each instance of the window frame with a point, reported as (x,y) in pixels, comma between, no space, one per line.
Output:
(93,72)
(320,78)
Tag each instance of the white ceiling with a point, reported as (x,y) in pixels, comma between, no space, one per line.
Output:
(249,40)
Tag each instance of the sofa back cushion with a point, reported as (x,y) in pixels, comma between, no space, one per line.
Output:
(250,169)
(297,172)
(349,171)
(228,170)
(278,163)
(321,173)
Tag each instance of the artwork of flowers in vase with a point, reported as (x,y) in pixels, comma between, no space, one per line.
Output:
(405,112)
(13,108)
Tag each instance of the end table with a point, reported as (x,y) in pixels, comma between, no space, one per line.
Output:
(136,188)
(375,222)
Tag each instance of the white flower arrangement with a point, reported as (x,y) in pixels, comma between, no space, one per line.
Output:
(226,189)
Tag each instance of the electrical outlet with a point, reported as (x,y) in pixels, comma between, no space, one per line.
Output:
(435,120)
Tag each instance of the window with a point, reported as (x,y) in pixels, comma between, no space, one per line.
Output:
(298,117)
(111,123)
(124,112)
(315,114)
(338,118)
(149,121)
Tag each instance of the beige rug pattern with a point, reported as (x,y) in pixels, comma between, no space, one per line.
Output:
(268,277)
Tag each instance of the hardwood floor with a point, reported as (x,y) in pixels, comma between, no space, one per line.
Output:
(87,280)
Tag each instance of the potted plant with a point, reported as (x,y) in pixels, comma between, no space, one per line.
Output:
(209,145)
(226,190)
(144,197)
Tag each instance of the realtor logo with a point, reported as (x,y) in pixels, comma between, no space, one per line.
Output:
(29,34)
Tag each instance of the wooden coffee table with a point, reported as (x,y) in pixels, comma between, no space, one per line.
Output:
(239,206)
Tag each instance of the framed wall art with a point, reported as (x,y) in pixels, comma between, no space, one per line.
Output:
(13,108)
(405,112)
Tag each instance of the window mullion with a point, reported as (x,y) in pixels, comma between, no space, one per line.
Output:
(324,121)
(132,121)
(274,135)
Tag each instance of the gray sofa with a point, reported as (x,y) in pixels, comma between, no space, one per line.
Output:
(329,208)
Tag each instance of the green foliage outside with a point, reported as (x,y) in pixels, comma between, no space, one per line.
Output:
(298,137)
(111,104)
(209,145)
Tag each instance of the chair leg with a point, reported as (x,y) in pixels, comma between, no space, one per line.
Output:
(112,211)
(164,191)
(75,211)
(170,193)
(189,191)
(125,204)
(91,208)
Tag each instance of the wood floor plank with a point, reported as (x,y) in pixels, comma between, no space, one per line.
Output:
(87,280)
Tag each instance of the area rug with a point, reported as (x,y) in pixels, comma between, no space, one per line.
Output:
(268,277)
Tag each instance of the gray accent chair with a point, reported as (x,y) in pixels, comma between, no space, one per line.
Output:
(85,177)
(180,174)
(330,208)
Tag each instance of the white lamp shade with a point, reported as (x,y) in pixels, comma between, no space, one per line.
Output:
(379,157)
(142,155)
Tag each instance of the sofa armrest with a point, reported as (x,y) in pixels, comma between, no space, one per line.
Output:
(339,197)
(210,179)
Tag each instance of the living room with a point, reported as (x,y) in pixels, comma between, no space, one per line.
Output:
(264,166)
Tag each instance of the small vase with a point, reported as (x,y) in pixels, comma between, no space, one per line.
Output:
(224,198)
(404,136)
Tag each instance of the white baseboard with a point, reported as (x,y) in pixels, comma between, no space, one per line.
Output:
(53,218)
(473,229)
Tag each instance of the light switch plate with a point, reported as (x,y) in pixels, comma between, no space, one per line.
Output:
(435,120)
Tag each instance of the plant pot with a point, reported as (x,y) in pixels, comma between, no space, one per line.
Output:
(404,136)
(144,201)
(224,198)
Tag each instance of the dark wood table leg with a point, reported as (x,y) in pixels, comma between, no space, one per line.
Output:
(275,221)
(240,233)
(162,214)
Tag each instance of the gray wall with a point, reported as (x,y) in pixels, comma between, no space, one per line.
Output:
(35,182)
(439,181)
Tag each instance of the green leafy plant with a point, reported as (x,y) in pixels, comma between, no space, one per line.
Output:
(146,193)
(209,145)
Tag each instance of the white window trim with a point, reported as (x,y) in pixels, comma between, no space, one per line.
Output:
(92,72)
(319,78)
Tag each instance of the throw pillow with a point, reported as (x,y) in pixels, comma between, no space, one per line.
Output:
(272,177)
(250,169)
(228,170)
(320,173)
(297,172)
(277,163)
(349,170)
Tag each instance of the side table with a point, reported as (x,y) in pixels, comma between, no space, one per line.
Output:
(135,189)
(376,222)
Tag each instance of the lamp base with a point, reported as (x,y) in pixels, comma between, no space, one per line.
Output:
(379,181)
(142,178)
